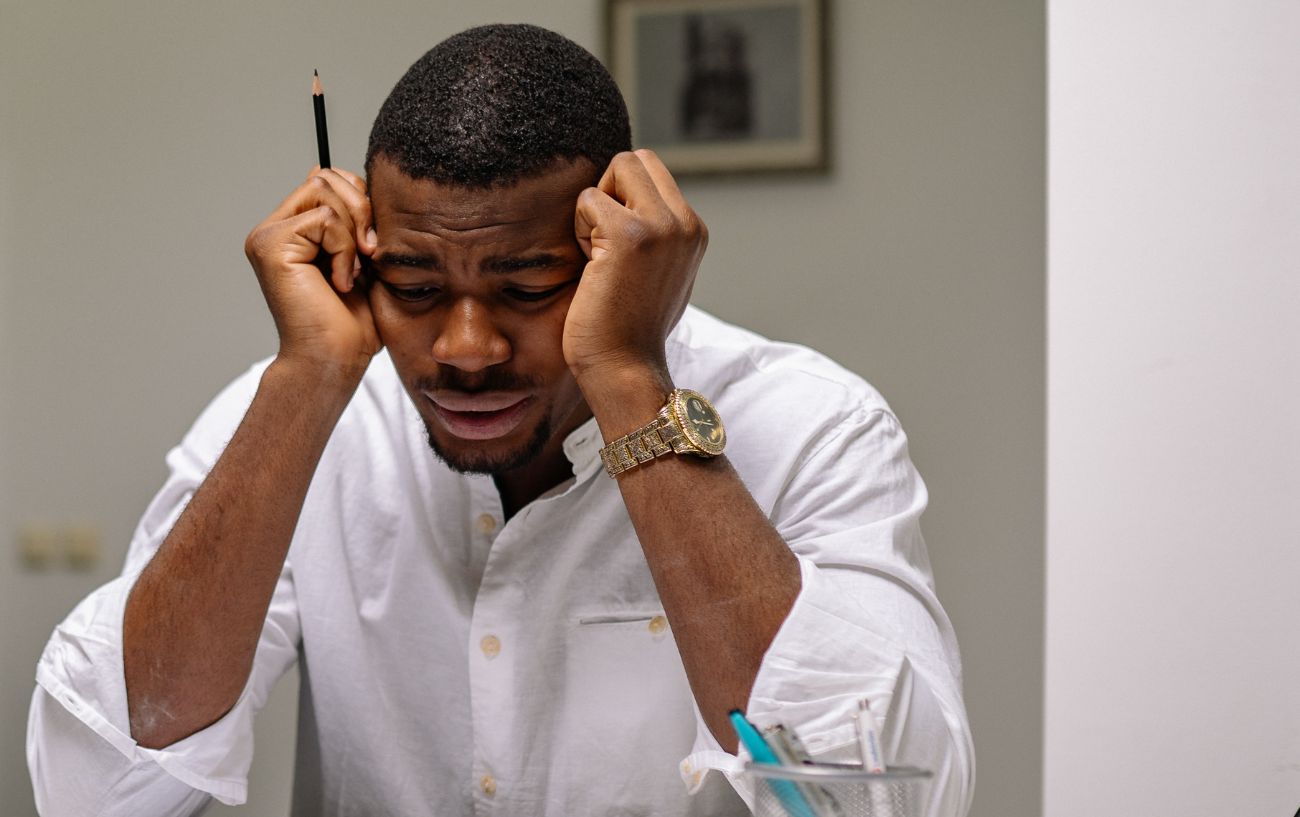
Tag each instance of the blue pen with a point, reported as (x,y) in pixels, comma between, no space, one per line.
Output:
(786,791)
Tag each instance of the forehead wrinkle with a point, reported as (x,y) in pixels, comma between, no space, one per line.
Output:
(433,221)
(473,228)
(427,206)
(497,254)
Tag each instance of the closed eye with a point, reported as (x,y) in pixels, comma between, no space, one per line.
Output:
(410,294)
(533,296)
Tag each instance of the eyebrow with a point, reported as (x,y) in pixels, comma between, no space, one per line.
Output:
(397,259)
(518,263)
(497,265)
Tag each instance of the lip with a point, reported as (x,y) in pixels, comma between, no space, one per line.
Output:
(479,416)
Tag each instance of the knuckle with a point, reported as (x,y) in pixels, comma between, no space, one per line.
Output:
(664,227)
(329,215)
(639,235)
(257,240)
(695,228)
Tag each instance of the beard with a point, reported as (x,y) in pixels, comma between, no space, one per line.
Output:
(484,462)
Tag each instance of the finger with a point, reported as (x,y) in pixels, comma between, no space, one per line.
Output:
(594,219)
(357,203)
(328,189)
(627,180)
(353,179)
(665,183)
(325,228)
(309,195)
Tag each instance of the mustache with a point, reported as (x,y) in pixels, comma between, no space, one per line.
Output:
(451,379)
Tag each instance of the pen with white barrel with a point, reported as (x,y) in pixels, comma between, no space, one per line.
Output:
(873,760)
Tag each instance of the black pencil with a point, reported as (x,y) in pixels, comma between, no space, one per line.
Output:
(322,133)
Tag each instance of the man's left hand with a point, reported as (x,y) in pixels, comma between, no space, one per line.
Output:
(645,244)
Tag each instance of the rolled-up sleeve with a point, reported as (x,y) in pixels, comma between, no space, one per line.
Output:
(80,752)
(866,623)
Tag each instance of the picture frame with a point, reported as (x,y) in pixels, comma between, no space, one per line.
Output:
(724,86)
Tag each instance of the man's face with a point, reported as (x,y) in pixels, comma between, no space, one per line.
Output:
(470,295)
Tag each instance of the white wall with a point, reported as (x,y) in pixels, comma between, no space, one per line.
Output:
(140,141)
(1174,408)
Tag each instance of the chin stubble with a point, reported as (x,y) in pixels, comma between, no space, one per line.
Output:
(481,462)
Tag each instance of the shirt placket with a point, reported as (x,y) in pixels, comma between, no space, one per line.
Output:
(487,641)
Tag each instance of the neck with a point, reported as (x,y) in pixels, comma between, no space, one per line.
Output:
(549,468)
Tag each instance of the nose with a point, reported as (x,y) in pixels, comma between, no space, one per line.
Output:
(468,339)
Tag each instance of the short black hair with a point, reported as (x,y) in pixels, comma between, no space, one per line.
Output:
(499,103)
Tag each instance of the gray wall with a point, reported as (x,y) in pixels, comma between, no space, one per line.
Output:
(140,142)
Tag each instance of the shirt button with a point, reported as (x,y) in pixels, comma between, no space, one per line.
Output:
(658,624)
(488,784)
(490,645)
(486,523)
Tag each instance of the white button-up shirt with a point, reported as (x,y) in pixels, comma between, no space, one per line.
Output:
(456,663)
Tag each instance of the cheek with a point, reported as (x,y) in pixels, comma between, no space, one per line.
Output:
(406,338)
(555,323)
(538,340)
(382,311)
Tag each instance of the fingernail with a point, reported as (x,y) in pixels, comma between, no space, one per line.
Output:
(371,238)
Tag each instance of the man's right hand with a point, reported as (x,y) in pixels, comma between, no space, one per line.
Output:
(307,258)
(196,612)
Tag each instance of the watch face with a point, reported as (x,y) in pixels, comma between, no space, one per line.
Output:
(701,423)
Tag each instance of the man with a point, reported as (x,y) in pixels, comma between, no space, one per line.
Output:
(501,628)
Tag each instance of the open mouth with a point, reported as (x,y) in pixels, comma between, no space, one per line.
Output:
(484,416)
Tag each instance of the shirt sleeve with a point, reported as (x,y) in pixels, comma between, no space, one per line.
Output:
(866,622)
(80,752)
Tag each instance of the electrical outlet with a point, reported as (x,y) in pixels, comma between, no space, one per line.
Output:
(81,546)
(38,546)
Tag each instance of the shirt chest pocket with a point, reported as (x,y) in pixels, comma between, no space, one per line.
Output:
(623,661)
(628,708)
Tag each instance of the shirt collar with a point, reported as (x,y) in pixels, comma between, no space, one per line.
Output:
(583,444)
(582,447)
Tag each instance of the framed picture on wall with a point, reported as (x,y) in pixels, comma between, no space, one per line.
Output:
(723,86)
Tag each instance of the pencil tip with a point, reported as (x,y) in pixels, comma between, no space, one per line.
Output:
(315,73)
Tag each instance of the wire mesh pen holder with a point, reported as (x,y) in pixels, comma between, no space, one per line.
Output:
(833,790)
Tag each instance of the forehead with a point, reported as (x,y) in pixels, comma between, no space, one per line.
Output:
(543,201)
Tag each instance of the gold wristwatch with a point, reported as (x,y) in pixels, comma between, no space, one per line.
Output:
(688,424)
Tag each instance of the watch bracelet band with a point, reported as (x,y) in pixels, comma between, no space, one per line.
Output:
(658,437)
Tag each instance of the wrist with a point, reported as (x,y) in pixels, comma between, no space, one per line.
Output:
(624,398)
(326,383)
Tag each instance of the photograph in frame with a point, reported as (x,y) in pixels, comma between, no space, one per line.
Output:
(723,86)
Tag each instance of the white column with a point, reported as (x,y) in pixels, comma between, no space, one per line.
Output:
(1173,580)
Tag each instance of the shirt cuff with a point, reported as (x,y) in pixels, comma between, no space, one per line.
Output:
(81,668)
(822,661)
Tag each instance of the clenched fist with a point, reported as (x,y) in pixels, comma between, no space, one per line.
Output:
(645,244)
(307,258)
